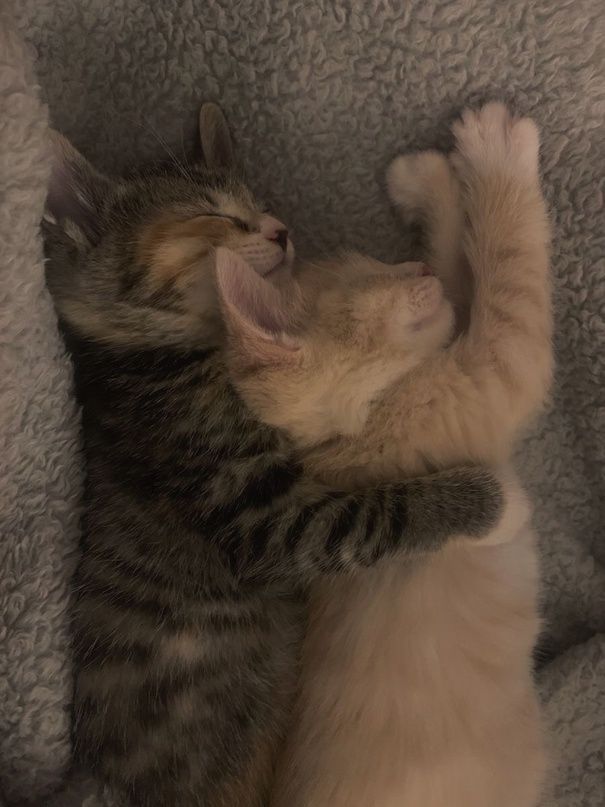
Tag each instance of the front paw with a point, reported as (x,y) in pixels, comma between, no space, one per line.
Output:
(516,513)
(413,181)
(491,140)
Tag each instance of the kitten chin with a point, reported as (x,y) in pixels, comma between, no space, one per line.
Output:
(436,330)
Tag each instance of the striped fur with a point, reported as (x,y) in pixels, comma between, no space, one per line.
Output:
(201,528)
(201,532)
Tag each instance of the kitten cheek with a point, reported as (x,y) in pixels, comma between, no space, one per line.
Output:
(438,321)
(425,300)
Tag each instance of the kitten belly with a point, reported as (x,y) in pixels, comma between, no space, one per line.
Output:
(418,688)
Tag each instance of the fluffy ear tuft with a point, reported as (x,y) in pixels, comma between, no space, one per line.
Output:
(259,322)
(76,189)
(215,138)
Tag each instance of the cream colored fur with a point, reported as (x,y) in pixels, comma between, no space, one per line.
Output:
(417,685)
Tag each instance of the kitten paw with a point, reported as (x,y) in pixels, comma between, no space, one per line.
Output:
(413,180)
(516,514)
(492,140)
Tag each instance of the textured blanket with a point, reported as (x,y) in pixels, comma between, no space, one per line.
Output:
(320,96)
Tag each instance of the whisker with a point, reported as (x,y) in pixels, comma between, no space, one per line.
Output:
(183,143)
(146,124)
(177,164)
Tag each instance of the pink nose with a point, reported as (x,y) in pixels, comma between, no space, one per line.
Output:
(274,230)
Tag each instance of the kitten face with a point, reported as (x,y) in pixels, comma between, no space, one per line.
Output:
(133,259)
(315,369)
(375,307)
(193,216)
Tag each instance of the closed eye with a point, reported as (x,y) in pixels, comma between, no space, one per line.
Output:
(240,223)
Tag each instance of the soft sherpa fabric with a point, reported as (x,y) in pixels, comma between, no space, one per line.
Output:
(320,96)
(39,467)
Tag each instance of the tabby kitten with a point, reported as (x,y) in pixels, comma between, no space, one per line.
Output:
(417,686)
(201,529)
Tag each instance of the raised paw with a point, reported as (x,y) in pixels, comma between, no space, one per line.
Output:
(516,514)
(492,140)
(415,181)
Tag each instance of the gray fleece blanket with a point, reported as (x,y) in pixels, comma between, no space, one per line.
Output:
(320,96)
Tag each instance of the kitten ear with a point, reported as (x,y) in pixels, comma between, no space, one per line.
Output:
(76,190)
(215,138)
(258,320)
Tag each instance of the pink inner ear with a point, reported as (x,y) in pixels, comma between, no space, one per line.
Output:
(249,299)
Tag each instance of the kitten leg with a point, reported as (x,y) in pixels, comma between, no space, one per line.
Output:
(425,190)
(316,531)
(506,244)
(470,400)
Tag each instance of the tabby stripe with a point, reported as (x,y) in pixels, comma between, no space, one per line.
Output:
(102,650)
(177,386)
(369,532)
(298,527)
(115,363)
(374,543)
(342,526)
(116,598)
(258,539)
(230,541)
(259,492)
(158,364)
(221,447)
(383,501)
(153,701)
(398,513)
(134,568)
(192,490)
(159,777)
(275,481)
(222,622)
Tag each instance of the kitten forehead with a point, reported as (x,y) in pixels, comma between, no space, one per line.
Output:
(175,193)
(240,205)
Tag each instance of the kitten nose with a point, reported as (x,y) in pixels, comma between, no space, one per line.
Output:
(274,230)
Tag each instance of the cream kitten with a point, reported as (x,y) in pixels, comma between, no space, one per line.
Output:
(417,688)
